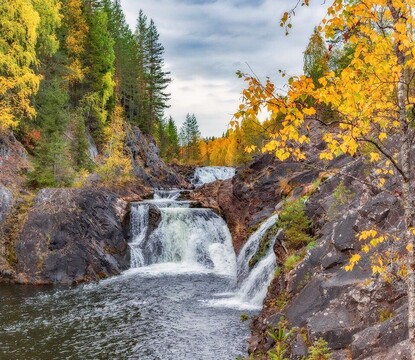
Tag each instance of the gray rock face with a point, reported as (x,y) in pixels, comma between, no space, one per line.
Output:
(13,161)
(72,236)
(324,300)
(147,164)
(380,336)
(6,201)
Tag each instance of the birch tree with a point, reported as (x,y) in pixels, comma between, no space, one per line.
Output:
(373,98)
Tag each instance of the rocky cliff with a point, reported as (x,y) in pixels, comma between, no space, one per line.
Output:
(358,314)
(148,166)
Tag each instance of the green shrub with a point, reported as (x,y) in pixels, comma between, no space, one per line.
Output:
(244,317)
(342,195)
(292,261)
(281,337)
(319,350)
(296,224)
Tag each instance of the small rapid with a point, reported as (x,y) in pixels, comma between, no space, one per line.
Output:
(208,174)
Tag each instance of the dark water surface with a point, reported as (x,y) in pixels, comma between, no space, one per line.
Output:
(139,315)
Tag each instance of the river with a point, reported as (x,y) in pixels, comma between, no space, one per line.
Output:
(182,298)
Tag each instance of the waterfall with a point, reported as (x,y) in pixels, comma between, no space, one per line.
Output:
(167,194)
(189,237)
(208,174)
(251,247)
(139,229)
(252,283)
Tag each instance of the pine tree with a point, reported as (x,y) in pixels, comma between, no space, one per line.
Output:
(52,163)
(140,100)
(50,21)
(157,79)
(152,80)
(126,59)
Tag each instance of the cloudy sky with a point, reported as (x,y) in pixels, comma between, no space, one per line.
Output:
(207,41)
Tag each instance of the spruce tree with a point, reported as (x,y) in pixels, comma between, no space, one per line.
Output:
(189,138)
(157,79)
(173,145)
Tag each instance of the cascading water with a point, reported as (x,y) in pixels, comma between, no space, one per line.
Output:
(167,194)
(251,247)
(208,174)
(198,240)
(191,238)
(139,229)
(252,284)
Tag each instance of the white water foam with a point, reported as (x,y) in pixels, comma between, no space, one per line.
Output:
(208,174)
(139,229)
(252,283)
(191,238)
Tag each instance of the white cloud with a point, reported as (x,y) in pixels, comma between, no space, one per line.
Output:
(207,41)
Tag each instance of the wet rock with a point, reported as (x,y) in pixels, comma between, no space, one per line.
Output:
(72,236)
(154,215)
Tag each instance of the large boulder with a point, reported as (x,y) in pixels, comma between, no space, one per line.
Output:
(72,236)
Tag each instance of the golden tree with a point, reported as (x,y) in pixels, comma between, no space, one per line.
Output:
(374,102)
(18,81)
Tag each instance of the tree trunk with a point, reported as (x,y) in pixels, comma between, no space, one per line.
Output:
(408,204)
(407,196)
